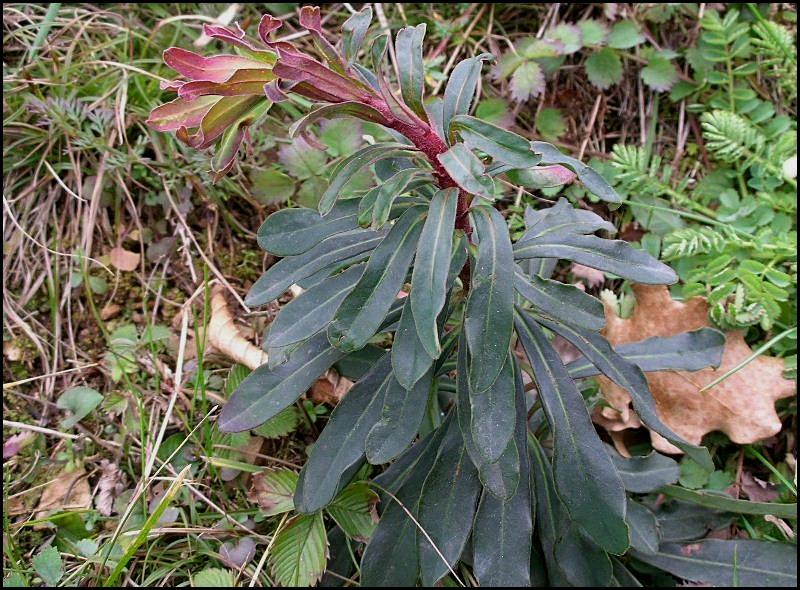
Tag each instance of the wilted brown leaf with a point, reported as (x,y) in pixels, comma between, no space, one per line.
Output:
(110,486)
(742,406)
(68,491)
(124,259)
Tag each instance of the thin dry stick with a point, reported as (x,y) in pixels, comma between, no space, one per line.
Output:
(39,429)
(56,374)
(263,559)
(590,125)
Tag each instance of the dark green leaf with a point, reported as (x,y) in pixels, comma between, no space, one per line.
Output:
(391,189)
(460,89)
(687,351)
(502,477)
(348,167)
(392,558)
(341,444)
(630,377)
(265,392)
(562,218)
(351,510)
(604,68)
(300,551)
(313,309)
(585,476)
(489,314)
(613,256)
(290,232)
(354,29)
(80,401)
(467,170)
(562,302)
(582,563)
(502,531)
(273,490)
(403,411)
(646,473)
(408,48)
(330,251)
(722,501)
(644,528)
(595,183)
(432,263)
(410,360)
(503,146)
(447,507)
(364,309)
(48,566)
(623,577)
(356,364)
(729,563)
(493,413)
(681,521)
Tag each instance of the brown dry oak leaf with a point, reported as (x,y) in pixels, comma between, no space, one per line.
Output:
(742,406)
(68,491)
(124,259)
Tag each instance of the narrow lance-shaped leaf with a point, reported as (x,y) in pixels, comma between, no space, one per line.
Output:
(410,360)
(728,563)
(493,413)
(595,183)
(282,275)
(391,557)
(562,302)
(341,444)
(502,531)
(460,89)
(362,311)
(266,392)
(502,145)
(354,30)
(630,377)
(447,507)
(562,218)
(502,477)
(401,417)
(467,170)
(348,167)
(645,474)
(389,190)
(687,351)
(489,314)
(643,526)
(429,278)
(585,476)
(313,309)
(408,48)
(330,111)
(290,232)
(613,256)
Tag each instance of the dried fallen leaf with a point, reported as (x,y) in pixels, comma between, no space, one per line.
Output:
(759,490)
(330,388)
(110,486)
(124,259)
(68,491)
(590,276)
(742,406)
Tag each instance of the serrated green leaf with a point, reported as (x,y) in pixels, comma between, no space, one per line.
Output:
(273,490)
(313,309)
(624,35)
(341,137)
(363,310)
(431,267)
(48,566)
(352,511)
(585,476)
(562,302)
(550,123)
(341,444)
(271,186)
(266,392)
(285,422)
(408,48)
(301,159)
(496,111)
(604,68)
(80,401)
(594,32)
(728,563)
(300,551)
(503,146)
(629,377)
(292,269)
(569,36)
(659,74)
(527,81)
(461,86)
(447,506)
(213,577)
(489,314)
(593,182)
(467,170)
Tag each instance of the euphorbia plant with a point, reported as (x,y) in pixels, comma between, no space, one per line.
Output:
(446,404)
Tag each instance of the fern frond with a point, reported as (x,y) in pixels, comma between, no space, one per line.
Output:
(691,241)
(776,46)
(731,137)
